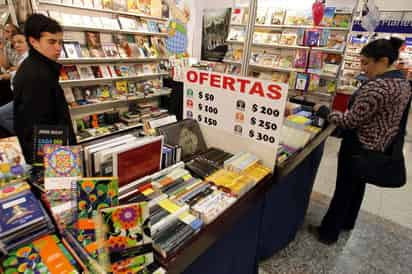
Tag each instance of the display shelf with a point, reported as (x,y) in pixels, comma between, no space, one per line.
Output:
(276,68)
(328,50)
(280,27)
(280,46)
(233,62)
(106,80)
(92,138)
(103,10)
(95,60)
(105,30)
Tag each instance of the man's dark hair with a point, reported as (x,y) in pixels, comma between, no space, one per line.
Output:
(38,23)
(19,31)
(382,48)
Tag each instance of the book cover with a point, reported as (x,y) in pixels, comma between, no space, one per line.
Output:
(48,135)
(301,58)
(97,72)
(105,71)
(336,41)
(110,50)
(127,23)
(277,16)
(165,9)
(62,161)
(288,38)
(261,16)
(19,211)
(328,16)
(85,72)
(324,37)
(122,42)
(94,44)
(121,87)
(129,224)
(287,57)
(312,38)
(72,49)
(44,255)
(12,160)
(72,72)
(132,5)
(281,77)
(314,83)
(237,16)
(342,20)
(315,60)
(302,81)
(152,26)
(85,51)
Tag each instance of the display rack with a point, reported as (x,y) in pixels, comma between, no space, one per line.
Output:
(111,25)
(253,49)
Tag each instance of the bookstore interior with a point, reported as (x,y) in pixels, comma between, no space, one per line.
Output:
(197,140)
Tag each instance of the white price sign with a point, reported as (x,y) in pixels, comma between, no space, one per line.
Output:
(243,107)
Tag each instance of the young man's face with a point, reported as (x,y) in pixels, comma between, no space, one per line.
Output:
(49,44)
(19,43)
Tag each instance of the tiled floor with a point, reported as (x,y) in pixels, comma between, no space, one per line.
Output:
(376,245)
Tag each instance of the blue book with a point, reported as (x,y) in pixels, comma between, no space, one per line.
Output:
(19,211)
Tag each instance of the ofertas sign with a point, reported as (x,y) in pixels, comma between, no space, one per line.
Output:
(236,113)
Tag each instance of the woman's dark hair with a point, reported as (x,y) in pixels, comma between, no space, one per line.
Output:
(38,23)
(382,48)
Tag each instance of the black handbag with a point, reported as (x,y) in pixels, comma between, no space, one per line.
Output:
(383,169)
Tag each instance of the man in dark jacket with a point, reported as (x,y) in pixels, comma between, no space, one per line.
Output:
(39,99)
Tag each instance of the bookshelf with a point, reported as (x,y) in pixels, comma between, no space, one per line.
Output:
(114,61)
(299,50)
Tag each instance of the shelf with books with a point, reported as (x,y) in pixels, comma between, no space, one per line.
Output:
(145,16)
(238,25)
(235,42)
(279,46)
(106,30)
(255,66)
(328,50)
(96,60)
(280,27)
(92,138)
(107,102)
(97,81)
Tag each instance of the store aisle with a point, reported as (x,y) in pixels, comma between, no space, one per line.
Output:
(392,204)
(376,245)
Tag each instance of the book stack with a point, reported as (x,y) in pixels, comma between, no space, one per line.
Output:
(171,155)
(13,166)
(62,169)
(46,254)
(23,217)
(231,182)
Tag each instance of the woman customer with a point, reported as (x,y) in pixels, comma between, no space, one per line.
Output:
(372,122)
(22,51)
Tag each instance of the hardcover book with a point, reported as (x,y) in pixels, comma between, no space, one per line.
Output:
(62,161)
(72,49)
(129,224)
(47,135)
(44,255)
(19,211)
(94,44)
(328,16)
(85,72)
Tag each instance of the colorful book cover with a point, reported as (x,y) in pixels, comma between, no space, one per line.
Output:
(277,16)
(301,58)
(48,135)
(132,5)
(341,20)
(19,211)
(237,16)
(314,83)
(62,161)
(312,38)
(94,44)
(93,194)
(324,37)
(45,255)
(328,15)
(12,189)
(72,72)
(121,87)
(315,60)
(124,235)
(302,81)
(107,4)
(12,163)
(288,38)
(336,41)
